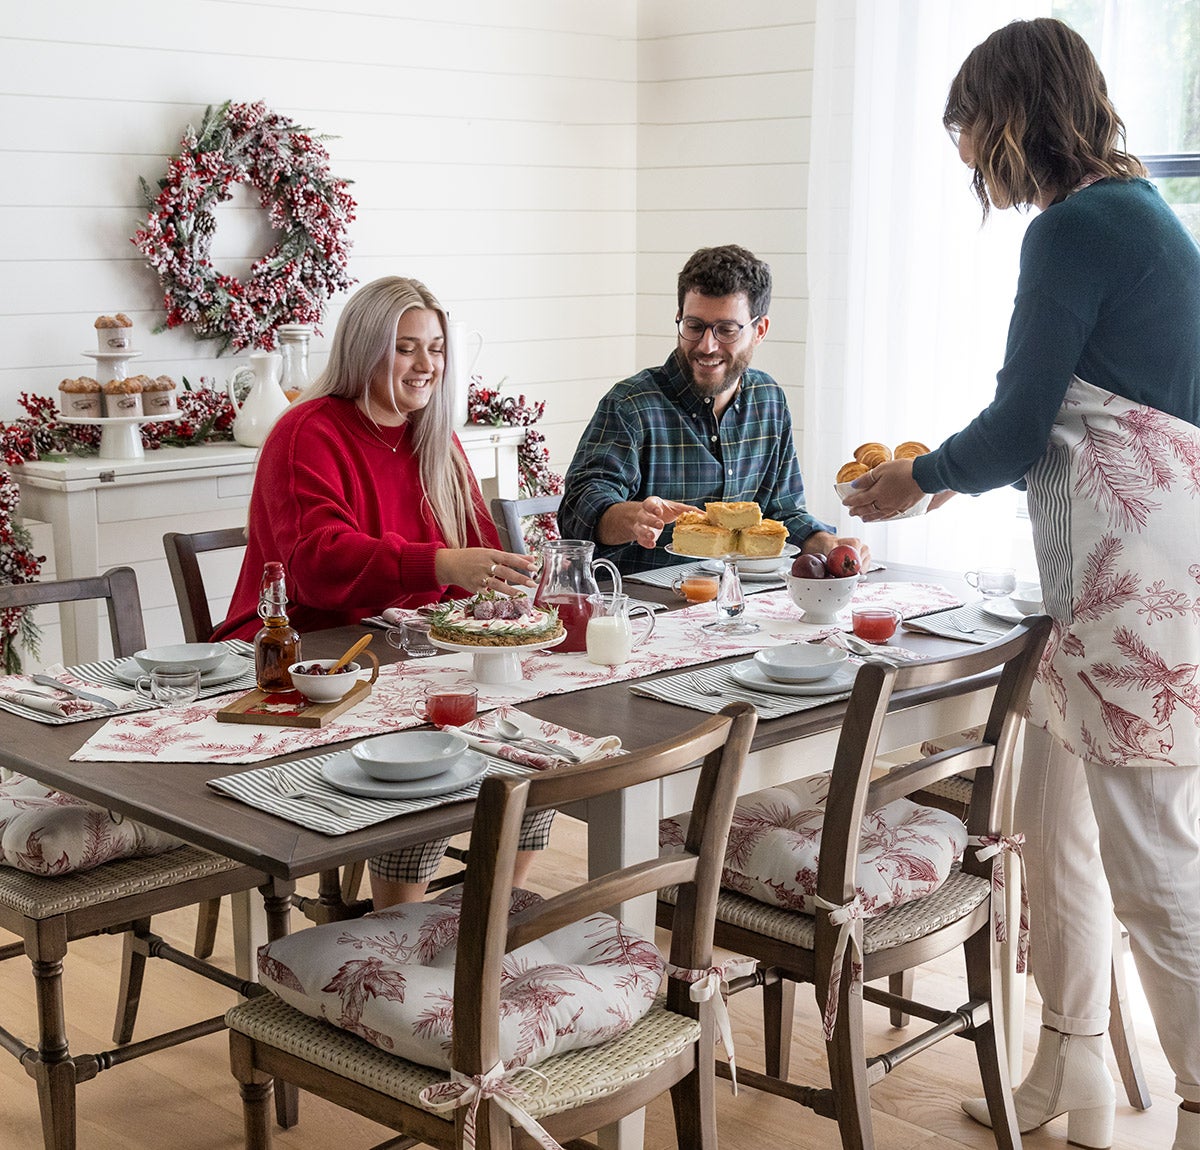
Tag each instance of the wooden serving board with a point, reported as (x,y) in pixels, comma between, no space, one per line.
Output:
(289,708)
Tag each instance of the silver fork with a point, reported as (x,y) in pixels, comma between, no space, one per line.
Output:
(958,625)
(292,791)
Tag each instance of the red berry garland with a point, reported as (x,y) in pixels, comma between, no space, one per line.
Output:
(248,143)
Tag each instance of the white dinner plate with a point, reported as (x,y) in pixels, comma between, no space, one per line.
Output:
(747,566)
(233,667)
(346,775)
(748,674)
(1002,609)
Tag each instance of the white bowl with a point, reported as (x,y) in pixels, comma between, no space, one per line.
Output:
(1027,600)
(323,688)
(800,662)
(821,599)
(409,755)
(919,508)
(203,656)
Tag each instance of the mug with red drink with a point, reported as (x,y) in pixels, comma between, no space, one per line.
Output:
(876,624)
(448,706)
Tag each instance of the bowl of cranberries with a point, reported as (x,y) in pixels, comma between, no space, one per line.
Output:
(313,680)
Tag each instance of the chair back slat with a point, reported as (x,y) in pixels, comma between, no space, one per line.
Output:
(183,551)
(722,742)
(507,515)
(117,586)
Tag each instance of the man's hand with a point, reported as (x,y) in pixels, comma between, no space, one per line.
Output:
(638,522)
(822,542)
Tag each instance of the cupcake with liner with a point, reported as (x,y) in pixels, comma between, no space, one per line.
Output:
(114,332)
(123,397)
(158,395)
(80,398)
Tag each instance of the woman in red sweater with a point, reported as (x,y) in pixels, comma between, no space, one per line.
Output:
(363,492)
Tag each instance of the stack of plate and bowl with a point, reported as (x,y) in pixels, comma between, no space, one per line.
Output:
(407,764)
(797,669)
(215,662)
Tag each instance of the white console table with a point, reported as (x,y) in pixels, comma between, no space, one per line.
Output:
(108,512)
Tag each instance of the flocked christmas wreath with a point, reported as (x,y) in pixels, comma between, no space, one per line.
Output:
(289,169)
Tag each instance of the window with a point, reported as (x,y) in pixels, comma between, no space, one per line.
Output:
(1149,51)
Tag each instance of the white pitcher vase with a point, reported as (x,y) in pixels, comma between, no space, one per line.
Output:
(462,364)
(264,403)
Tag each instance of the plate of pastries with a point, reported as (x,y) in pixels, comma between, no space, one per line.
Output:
(872,454)
(731,529)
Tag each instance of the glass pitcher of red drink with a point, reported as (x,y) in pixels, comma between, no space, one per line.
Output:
(568,578)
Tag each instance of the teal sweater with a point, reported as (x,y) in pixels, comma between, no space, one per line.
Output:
(1109,290)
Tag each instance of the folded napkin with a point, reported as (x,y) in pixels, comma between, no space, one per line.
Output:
(23,693)
(481,734)
(882,650)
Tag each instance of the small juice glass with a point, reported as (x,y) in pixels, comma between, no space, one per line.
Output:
(451,706)
(875,624)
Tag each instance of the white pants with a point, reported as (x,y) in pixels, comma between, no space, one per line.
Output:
(1135,832)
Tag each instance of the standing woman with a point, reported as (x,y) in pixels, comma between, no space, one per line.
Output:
(364,494)
(1097,414)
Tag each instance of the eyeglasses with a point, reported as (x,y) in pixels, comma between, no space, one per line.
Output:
(724,331)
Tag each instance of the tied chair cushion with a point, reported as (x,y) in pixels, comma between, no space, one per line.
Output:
(906,851)
(46,833)
(389,978)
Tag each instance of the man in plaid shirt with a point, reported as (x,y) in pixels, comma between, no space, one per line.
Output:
(703,427)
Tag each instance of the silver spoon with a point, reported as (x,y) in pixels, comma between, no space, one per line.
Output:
(511,733)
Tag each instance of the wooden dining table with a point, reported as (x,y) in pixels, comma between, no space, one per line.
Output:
(175,797)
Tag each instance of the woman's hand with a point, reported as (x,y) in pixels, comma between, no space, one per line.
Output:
(886,490)
(483,569)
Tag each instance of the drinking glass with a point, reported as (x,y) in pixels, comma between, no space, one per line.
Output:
(696,587)
(875,624)
(449,706)
(412,637)
(993,582)
(170,686)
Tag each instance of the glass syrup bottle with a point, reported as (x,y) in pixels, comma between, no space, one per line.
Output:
(293,346)
(277,645)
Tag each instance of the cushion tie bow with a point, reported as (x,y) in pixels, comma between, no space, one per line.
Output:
(994,847)
(843,917)
(471,1090)
(706,984)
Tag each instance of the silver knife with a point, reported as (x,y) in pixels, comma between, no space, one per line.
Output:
(79,693)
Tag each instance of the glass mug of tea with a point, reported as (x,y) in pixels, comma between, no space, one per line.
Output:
(993,582)
(412,637)
(697,587)
(610,638)
(448,706)
(875,624)
(170,686)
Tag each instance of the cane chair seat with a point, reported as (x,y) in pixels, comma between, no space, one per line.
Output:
(571,1079)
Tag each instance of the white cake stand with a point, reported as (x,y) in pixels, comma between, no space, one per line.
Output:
(120,437)
(497,664)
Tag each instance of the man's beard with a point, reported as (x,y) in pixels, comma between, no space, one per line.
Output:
(734,369)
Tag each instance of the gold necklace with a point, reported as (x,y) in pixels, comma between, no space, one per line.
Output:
(369,424)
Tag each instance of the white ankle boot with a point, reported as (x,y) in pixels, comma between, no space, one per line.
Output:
(1187,1133)
(1068,1076)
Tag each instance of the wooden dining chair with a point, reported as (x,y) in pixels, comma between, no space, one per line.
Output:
(669,1047)
(954,795)
(842,946)
(114,898)
(508,513)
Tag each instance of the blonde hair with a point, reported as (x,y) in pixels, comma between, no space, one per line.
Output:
(365,341)
(1035,105)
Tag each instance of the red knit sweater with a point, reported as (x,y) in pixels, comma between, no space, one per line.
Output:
(344,515)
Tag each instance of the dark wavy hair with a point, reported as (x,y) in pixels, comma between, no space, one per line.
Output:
(728,270)
(1034,102)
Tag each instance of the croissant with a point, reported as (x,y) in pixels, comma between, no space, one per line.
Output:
(848,472)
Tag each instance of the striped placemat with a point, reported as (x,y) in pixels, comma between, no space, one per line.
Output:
(257,788)
(103,673)
(711,688)
(970,624)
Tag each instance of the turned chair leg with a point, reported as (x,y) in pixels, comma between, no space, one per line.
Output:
(129,994)
(206,928)
(54,1070)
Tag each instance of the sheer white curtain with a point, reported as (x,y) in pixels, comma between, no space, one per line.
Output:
(909,296)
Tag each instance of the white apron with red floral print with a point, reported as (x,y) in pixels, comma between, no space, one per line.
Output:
(1115,508)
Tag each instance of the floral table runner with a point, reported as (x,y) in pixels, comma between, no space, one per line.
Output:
(192,733)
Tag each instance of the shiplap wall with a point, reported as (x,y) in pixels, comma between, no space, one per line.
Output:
(544,165)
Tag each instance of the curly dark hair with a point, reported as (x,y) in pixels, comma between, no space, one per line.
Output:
(728,270)
(1034,102)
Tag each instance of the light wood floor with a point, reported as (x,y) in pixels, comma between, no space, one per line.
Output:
(186,1099)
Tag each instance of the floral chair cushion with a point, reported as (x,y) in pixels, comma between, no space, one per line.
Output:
(906,851)
(47,833)
(389,978)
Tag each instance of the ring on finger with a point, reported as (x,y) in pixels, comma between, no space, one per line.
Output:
(492,570)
